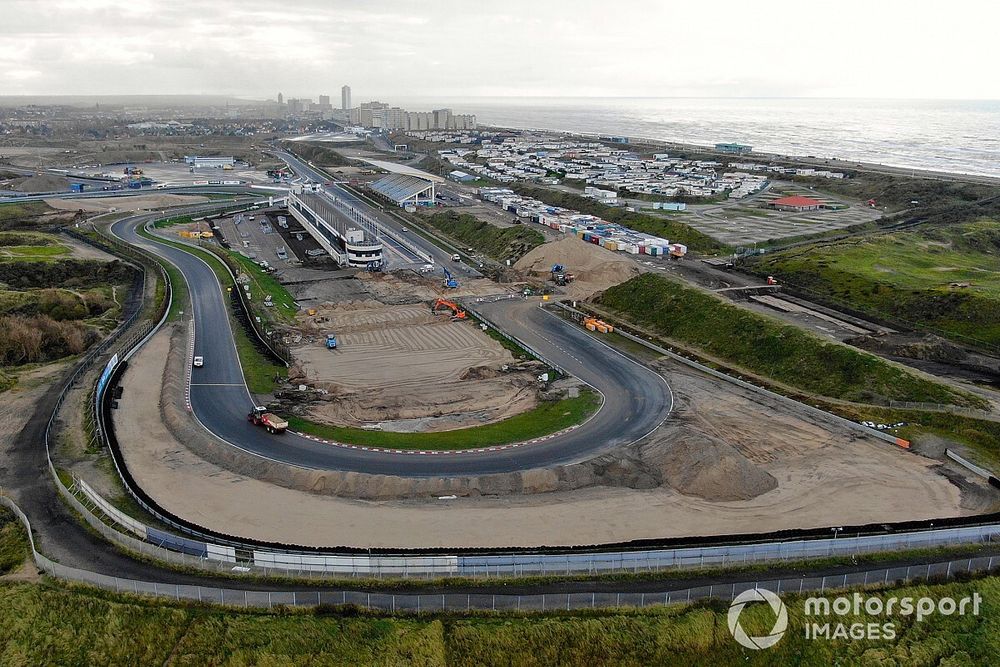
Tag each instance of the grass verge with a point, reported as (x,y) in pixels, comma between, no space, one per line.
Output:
(768,347)
(14,546)
(52,625)
(500,243)
(262,284)
(548,417)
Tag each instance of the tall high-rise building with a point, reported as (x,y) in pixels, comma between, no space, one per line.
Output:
(324,103)
(345,97)
(281,98)
(442,119)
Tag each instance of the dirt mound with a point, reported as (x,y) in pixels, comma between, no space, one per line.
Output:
(595,268)
(480,373)
(927,347)
(699,465)
(135,203)
(42,183)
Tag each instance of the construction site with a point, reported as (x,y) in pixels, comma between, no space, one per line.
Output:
(395,351)
(408,368)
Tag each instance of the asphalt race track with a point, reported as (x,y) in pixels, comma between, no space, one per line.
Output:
(636,401)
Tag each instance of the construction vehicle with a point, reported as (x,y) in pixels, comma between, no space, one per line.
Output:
(594,324)
(331,341)
(560,276)
(259,416)
(456,311)
(449,280)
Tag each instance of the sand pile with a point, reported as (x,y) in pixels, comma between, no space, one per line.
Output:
(696,464)
(595,268)
(42,183)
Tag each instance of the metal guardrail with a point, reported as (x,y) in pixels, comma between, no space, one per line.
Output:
(527,563)
(459,602)
(514,339)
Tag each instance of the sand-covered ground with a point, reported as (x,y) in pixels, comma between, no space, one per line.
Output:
(136,203)
(407,363)
(727,463)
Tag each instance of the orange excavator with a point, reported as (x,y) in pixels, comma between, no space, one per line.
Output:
(444,304)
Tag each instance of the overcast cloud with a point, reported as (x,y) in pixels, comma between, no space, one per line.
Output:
(870,48)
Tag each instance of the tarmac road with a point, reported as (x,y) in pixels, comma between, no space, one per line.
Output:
(636,401)
(25,473)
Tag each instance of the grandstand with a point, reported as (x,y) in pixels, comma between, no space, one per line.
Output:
(404,189)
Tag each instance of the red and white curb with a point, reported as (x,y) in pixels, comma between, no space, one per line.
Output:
(432,452)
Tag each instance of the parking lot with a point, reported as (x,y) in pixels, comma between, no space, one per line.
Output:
(255,234)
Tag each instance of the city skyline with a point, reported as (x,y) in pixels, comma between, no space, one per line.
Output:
(584,50)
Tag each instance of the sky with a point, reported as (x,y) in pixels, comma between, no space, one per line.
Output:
(452,48)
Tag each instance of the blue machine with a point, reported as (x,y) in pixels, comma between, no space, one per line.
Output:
(449,281)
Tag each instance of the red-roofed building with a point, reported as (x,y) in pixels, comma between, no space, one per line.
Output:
(796,203)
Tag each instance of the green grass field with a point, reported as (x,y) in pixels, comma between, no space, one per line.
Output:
(264,284)
(30,245)
(46,624)
(908,276)
(13,542)
(15,212)
(768,347)
(546,418)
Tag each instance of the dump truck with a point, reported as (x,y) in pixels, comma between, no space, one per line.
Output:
(331,341)
(259,416)
(594,324)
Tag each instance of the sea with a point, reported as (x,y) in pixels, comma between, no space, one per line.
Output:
(952,136)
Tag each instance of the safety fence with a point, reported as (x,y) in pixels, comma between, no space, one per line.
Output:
(223,556)
(514,339)
(228,557)
(942,407)
(461,602)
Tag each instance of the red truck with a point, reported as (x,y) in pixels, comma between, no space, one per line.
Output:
(259,416)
